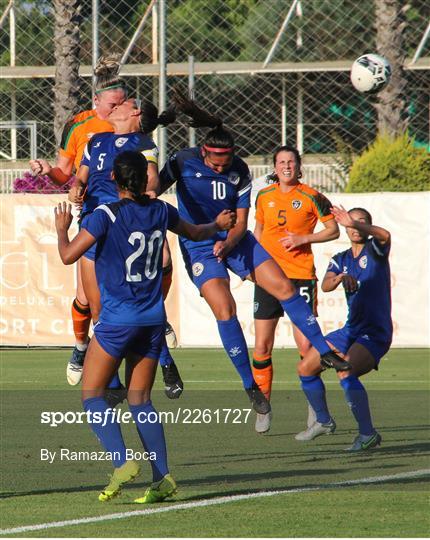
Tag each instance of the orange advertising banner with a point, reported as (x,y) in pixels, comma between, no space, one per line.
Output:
(36,289)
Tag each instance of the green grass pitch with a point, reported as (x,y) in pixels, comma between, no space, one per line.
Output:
(212,460)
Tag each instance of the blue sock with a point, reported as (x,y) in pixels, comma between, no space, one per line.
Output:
(301,315)
(151,434)
(314,390)
(235,346)
(115,382)
(109,435)
(356,397)
(165,356)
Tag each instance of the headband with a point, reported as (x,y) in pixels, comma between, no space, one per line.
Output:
(112,87)
(218,150)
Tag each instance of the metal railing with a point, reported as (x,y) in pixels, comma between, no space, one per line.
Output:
(320,175)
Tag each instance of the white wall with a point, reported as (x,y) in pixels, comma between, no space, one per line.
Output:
(405,215)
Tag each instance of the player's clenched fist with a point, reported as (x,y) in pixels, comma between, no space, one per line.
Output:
(40,166)
(63,216)
(226,220)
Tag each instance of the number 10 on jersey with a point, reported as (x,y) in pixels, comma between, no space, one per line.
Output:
(218,190)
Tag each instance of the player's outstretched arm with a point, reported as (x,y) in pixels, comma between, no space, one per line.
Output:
(343,217)
(225,221)
(70,251)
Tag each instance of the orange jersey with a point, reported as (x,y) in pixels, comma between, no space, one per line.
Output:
(297,212)
(78,131)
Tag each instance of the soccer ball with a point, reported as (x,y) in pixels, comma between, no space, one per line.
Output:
(370,73)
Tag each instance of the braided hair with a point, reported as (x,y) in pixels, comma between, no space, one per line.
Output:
(130,171)
(107,74)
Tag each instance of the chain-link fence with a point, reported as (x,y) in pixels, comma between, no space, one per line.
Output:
(302,96)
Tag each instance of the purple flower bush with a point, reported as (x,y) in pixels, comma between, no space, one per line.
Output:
(39,184)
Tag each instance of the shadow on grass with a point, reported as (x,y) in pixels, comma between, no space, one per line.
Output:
(230,479)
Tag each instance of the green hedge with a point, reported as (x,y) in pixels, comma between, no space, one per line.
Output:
(390,165)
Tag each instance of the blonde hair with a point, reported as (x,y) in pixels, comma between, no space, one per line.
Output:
(107,74)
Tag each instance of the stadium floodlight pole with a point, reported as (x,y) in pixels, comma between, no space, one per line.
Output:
(421,45)
(162,134)
(137,33)
(95,23)
(191,84)
(280,33)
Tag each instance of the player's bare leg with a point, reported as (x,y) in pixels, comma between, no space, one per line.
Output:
(270,277)
(91,287)
(173,384)
(171,340)
(115,392)
(99,368)
(81,316)
(140,378)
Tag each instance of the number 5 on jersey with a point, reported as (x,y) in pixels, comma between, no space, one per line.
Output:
(101,161)
(282,218)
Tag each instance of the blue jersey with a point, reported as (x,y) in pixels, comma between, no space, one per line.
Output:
(128,259)
(99,155)
(203,193)
(369,307)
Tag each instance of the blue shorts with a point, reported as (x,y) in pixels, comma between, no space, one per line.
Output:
(202,265)
(342,339)
(117,341)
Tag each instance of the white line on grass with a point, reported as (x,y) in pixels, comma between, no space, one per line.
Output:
(296,381)
(213,502)
(230,381)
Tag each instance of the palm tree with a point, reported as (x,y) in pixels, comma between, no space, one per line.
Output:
(67,46)
(392,106)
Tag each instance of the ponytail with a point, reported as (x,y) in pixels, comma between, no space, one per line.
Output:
(219,139)
(150,119)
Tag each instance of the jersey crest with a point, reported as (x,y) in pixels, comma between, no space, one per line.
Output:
(363,261)
(121,141)
(233,178)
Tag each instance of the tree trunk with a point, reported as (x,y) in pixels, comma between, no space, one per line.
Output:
(391,105)
(67,46)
